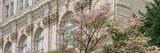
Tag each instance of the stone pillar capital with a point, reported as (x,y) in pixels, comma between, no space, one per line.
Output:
(29,29)
(14,37)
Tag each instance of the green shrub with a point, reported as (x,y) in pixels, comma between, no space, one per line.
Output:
(120,36)
(110,49)
(65,51)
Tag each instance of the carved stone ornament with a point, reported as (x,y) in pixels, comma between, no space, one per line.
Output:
(49,20)
(46,21)
(53,18)
(81,5)
(14,36)
(1,41)
(29,29)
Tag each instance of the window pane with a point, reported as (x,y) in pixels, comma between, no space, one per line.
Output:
(23,50)
(40,44)
(9,49)
(23,45)
(26,3)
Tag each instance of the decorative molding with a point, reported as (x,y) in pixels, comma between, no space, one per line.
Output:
(38,13)
(39,23)
(22,32)
(22,21)
(14,36)
(9,27)
(50,19)
(29,29)
(79,6)
(46,21)
(54,18)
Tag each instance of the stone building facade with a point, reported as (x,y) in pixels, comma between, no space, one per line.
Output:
(29,26)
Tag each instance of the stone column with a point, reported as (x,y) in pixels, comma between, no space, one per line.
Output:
(14,47)
(1,44)
(1,40)
(45,43)
(14,42)
(1,50)
(15,6)
(49,25)
(30,43)
(53,35)
(33,45)
(28,50)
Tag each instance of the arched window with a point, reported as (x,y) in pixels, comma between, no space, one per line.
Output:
(68,27)
(39,37)
(22,44)
(8,47)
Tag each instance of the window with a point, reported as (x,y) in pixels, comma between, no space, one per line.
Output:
(11,9)
(26,3)
(40,44)
(23,4)
(22,44)
(39,41)
(69,28)
(8,47)
(7,11)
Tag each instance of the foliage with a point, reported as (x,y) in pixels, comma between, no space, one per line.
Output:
(130,41)
(110,49)
(119,36)
(117,48)
(65,51)
(151,22)
(91,27)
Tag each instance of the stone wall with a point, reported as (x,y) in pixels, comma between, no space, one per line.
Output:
(47,14)
(1,11)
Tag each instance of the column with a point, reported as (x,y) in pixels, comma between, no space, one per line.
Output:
(45,43)
(14,47)
(29,49)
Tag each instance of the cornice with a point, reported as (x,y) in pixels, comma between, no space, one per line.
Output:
(22,13)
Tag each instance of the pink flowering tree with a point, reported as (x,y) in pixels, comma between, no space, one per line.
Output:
(137,41)
(130,41)
(90,30)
